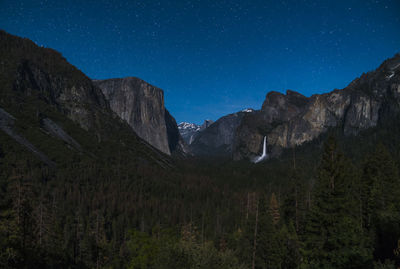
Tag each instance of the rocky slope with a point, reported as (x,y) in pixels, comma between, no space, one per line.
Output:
(217,138)
(292,119)
(31,71)
(176,144)
(141,105)
(55,106)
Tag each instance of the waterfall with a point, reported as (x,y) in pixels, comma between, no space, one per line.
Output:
(264,154)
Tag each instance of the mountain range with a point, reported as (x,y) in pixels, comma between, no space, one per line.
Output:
(292,119)
(38,80)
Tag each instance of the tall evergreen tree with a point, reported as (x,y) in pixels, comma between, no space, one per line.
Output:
(381,201)
(292,256)
(333,235)
(270,249)
(294,204)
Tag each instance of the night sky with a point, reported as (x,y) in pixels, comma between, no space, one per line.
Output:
(215,57)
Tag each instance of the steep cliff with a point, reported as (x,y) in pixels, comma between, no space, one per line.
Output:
(292,119)
(58,111)
(176,144)
(217,138)
(33,72)
(141,105)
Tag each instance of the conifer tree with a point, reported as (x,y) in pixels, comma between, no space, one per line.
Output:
(270,249)
(333,236)
(381,201)
(292,257)
(293,207)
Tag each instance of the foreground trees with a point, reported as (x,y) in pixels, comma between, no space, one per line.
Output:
(345,217)
(333,235)
(381,202)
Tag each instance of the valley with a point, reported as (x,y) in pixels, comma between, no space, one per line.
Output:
(98,174)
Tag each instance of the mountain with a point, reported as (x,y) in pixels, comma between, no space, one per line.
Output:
(189,131)
(291,119)
(206,124)
(177,146)
(54,111)
(217,138)
(141,105)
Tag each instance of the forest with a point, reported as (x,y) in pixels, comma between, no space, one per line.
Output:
(320,206)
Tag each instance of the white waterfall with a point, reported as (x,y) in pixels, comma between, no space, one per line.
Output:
(264,154)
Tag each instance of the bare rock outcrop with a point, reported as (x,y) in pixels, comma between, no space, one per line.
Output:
(141,105)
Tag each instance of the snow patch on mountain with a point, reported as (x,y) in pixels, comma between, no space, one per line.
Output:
(186,126)
(189,131)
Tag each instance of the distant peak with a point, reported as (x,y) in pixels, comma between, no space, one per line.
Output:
(206,124)
(188,126)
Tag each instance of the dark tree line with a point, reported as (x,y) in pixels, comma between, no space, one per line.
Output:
(104,214)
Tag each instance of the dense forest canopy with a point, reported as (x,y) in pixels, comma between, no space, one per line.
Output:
(328,211)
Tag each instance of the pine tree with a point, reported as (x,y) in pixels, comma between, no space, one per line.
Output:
(270,249)
(293,207)
(333,235)
(381,201)
(292,257)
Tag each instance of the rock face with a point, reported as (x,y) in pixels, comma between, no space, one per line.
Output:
(292,119)
(46,93)
(217,139)
(141,105)
(73,94)
(206,124)
(7,126)
(176,144)
(55,130)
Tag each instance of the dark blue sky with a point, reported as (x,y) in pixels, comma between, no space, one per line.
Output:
(215,57)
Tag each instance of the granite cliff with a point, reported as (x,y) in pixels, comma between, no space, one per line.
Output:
(217,138)
(141,105)
(46,104)
(292,119)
